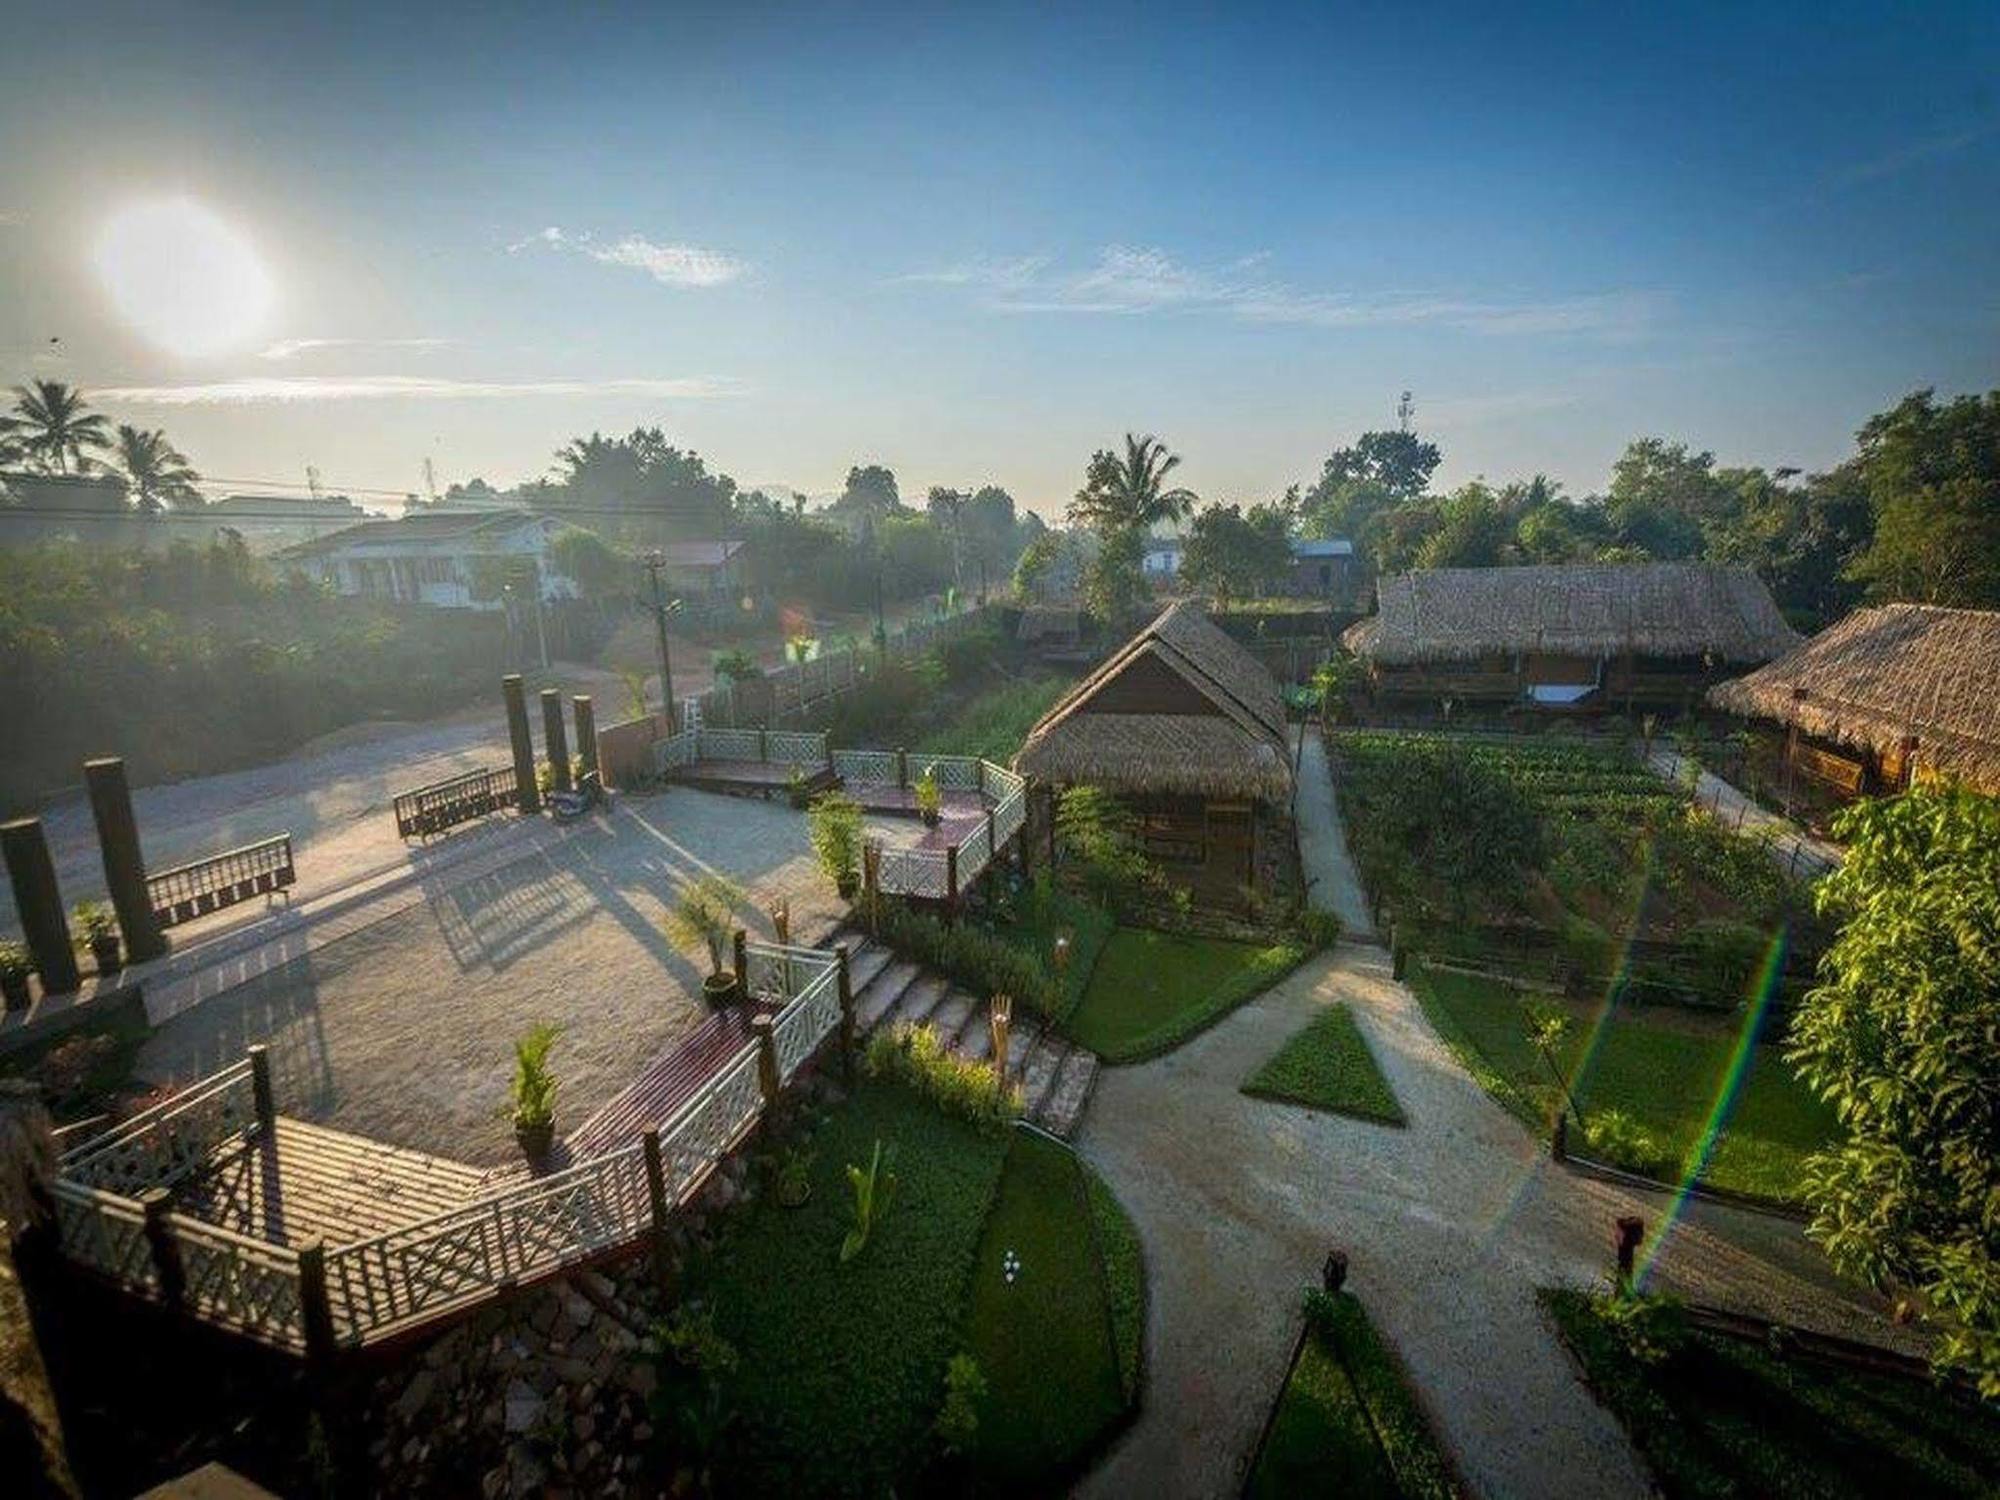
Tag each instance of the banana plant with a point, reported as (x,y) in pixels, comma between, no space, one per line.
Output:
(874,1190)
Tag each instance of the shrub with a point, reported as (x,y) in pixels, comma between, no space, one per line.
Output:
(1319,929)
(917,1057)
(534,1088)
(1587,950)
(969,954)
(15,960)
(967,656)
(1730,955)
(1648,1328)
(958,1415)
(1622,1141)
(705,913)
(874,1191)
(93,921)
(1098,831)
(737,665)
(834,827)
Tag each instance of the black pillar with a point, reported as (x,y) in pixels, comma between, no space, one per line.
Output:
(124,864)
(586,730)
(38,900)
(555,739)
(526,797)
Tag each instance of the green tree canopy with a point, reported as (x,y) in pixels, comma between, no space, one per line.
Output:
(1130,491)
(53,427)
(1232,554)
(1932,474)
(156,473)
(1903,1040)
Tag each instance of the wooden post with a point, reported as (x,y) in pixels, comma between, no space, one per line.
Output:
(741,962)
(979,773)
(155,1203)
(764,1029)
(1559,1139)
(586,729)
(951,873)
(992,843)
(763,743)
(555,738)
(845,988)
(871,871)
(1000,1019)
(656,1202)
(315,1311)
(124,864)
(902,767)
(38,903)
(527,796)
(260,1085)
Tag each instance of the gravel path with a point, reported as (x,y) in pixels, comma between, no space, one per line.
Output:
(1335,883)
(1799,852)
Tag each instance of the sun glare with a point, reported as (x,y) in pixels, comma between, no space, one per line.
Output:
(185,279)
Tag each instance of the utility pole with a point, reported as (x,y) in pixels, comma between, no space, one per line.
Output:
(881,625)
(655,561)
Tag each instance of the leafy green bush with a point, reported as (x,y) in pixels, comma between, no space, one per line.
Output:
(1318,929)
(916,1057)
(1621,1141)
(966,657)
(1587,950)
(958,1414)
(1730,955)
(834,828)
(976,958)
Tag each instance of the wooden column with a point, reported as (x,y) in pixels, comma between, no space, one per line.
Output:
(764,1029)
(763,744)
(845,988)
(124,864)
(951,878)
(555,739)
(260,1086)
(38,901)
(656,1202)
(526,795)
(740,961)
(586,730)
(315,1309)
(902,767)
(155,1203)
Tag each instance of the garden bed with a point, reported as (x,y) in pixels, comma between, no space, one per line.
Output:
(1328,1066)
(1717,1416)
(1152,991)
(1662,1071)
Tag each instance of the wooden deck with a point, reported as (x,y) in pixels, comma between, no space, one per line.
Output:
(303,1182)
(666,1083)
(746,778)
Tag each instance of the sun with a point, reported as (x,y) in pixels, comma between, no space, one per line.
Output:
(183,277)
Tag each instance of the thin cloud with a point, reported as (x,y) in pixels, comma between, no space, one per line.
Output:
(1127,280)
(10,218)
(292,348)
(668,264)
(264,390)
(1916,154)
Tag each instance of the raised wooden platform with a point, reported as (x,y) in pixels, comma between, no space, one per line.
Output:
(303,1182)
(752,778)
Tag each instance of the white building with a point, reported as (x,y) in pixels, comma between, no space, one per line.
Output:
(451,559)
(1162,558)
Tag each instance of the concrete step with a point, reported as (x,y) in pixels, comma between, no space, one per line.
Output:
(975,1038)
(1037,1071)
(1062,1108)
(954,1013)
(873,1005)
(920,999)
(863,964)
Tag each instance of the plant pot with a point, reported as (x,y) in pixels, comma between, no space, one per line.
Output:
(106,953)
(536,1140)
(719,989)
(14,987)
(848,886)
(931,818)
(795,1196)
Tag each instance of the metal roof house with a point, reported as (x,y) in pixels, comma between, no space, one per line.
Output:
(449,559)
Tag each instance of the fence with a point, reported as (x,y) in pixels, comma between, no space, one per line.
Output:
(312,1299)
(444,804)
(205,885)
(944,873)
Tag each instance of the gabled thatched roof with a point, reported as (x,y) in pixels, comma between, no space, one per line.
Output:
(1043,621)
(1574,609)
(1226,737)
(1883,675)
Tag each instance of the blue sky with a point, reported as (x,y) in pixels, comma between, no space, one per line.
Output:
(975,247)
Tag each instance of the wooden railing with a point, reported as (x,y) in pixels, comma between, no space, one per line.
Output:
(945,873)
(204,885)
(159,1146)
(457,799)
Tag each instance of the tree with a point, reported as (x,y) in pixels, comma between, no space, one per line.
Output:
(1231,554)
(1472,531)
(1114,581)
(156,472)
(871,490)
(53,428)
(1902,1038)
(1932,474)
(946,508)
(640,489)
(1037,559)
(599,570)
(1130,493)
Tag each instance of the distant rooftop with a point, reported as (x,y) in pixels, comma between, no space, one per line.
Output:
(699,554)
(424,526)
(1331,546)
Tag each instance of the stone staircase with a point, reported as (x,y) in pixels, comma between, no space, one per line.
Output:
(1054,1075)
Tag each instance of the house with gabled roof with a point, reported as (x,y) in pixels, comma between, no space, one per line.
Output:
(447,558)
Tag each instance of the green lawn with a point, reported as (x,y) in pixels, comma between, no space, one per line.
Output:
(1043,1340)
(1124,1278)
(1045,912)
(1151,991)
(1345,1423)
(1328,1066)
(1663,1068)
(1721,1417)
(995,723)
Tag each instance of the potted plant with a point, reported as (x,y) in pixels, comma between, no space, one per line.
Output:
(98,928)
(706,914)
(15,967)
(930,801)
(534,1091)
(834,826)
(795,787)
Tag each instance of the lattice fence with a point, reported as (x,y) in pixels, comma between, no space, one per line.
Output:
(159,1146)
(240,1283)
(792,747)
(728,744)
(806,1023)
(923,873)
(106,1234)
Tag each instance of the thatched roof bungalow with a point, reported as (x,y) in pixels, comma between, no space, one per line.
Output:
(1188,728)
(1885,696)
(1579,634)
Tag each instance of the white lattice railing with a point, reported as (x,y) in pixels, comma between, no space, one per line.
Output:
(106,1234)
(954,773)
(728,744)
(161,1145)
(793,747)
(809,1020)
(239,1282)
(773,971)
(676,750)
(975,853)
(1001,782)
(923,873)
(866,767)
(1009,813)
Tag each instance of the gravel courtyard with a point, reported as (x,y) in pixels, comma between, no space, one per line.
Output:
(403,1030)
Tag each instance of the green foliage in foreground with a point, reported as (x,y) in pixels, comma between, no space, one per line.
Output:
(994,724)
(1328,1066)
(1151,991)
(1716,1416)
(1660,1069)
(1043,1341)
(971,955)
(1045,911)
(1903,1040)
(1346,1423)
(917,1058)
(841,1367)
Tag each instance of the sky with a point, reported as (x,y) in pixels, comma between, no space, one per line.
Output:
(977,246)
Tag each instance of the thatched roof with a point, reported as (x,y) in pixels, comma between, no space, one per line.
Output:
(1883,675)
(1178,708)
(1045,621)
(1575,609)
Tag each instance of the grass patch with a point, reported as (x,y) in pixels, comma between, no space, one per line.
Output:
(1043,1341)
(1328,1066)
(1345,1422)
(842,1366)
(1661,1069)
(1046,911)
(1720,1417)
(1124,1278)
(994,724)
(1151,991)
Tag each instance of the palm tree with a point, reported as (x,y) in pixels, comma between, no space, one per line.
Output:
(57,427)
(156,472)
(1130,493)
